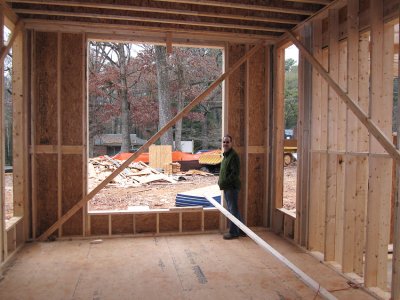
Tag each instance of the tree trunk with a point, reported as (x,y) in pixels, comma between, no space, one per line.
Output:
(123,95)
(164,110)
(204,133)
(180,106)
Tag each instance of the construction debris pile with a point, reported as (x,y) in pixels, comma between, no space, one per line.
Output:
(136,174)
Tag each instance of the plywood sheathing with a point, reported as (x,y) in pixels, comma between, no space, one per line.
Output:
(184,267)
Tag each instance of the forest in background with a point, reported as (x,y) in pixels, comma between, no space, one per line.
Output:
(136,89)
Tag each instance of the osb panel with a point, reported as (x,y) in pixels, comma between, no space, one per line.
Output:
(255,190)
(211,220)
(236,92)
(46,88)
(46,191)
(256,99)
(20,233)
(99,225)
(169,222)
(146,223)
(72,54)
(72,192)
(191,221)
(122,224)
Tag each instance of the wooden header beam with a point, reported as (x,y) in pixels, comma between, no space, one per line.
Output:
(353,106)
(151,141)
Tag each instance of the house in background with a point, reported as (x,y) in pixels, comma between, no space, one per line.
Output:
(110,144)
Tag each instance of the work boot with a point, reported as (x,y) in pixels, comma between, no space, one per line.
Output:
(228,236)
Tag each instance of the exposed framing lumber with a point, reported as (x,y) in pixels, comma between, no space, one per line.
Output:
(395,292)
(8,12)
(243,6)
(149,20)
(5,49)
(353,106)
(322,2)
(267,247)
(157,10)
(153,139)
(125,32)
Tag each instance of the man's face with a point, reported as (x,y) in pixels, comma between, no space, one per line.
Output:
(226,144)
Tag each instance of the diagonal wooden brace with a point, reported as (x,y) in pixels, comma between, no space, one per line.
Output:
(353,106)
(153,139)
(4,50)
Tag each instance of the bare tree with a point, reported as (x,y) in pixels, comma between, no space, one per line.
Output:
(163,92)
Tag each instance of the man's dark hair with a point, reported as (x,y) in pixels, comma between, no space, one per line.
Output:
(228,136)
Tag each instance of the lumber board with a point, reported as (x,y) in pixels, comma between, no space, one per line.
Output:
(379,185)
(71,173)
(315,201)
(278,127)
(160,155)
(17,31)
(348,252)
(71,92)
(169,222)
(333,159)
(355,108)
(46,88)
(161,10)
(145,19)
(155,137)
(18,130)
(121,224)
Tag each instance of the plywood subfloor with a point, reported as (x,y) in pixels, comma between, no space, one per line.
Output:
(176,267)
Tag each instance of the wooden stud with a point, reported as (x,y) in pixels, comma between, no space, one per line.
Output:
(349,220)
(18,127)
(59,132)
(33,135)
(355,108)
(331,193)
(379,187)
(85,150)
(154,138)
(395,291)
(314,236)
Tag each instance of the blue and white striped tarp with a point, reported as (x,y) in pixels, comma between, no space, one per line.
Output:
(196,198)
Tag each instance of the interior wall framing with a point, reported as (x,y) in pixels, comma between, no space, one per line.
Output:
(351,174)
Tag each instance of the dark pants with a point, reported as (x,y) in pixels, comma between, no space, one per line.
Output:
(231,198)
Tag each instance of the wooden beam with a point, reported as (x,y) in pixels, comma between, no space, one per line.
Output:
(5,49)
(322,2)
(158,10)
(144,33)
(325,294)
(149,20)
(353,106)
(395,292)
(244,6)
(153,139)
(8,12)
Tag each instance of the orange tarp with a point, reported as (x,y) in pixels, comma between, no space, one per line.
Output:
(144,157)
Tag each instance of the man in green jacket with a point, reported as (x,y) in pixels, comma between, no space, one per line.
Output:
(229,182)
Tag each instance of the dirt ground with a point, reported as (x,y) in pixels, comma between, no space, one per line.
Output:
(153,195)
(159,195)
